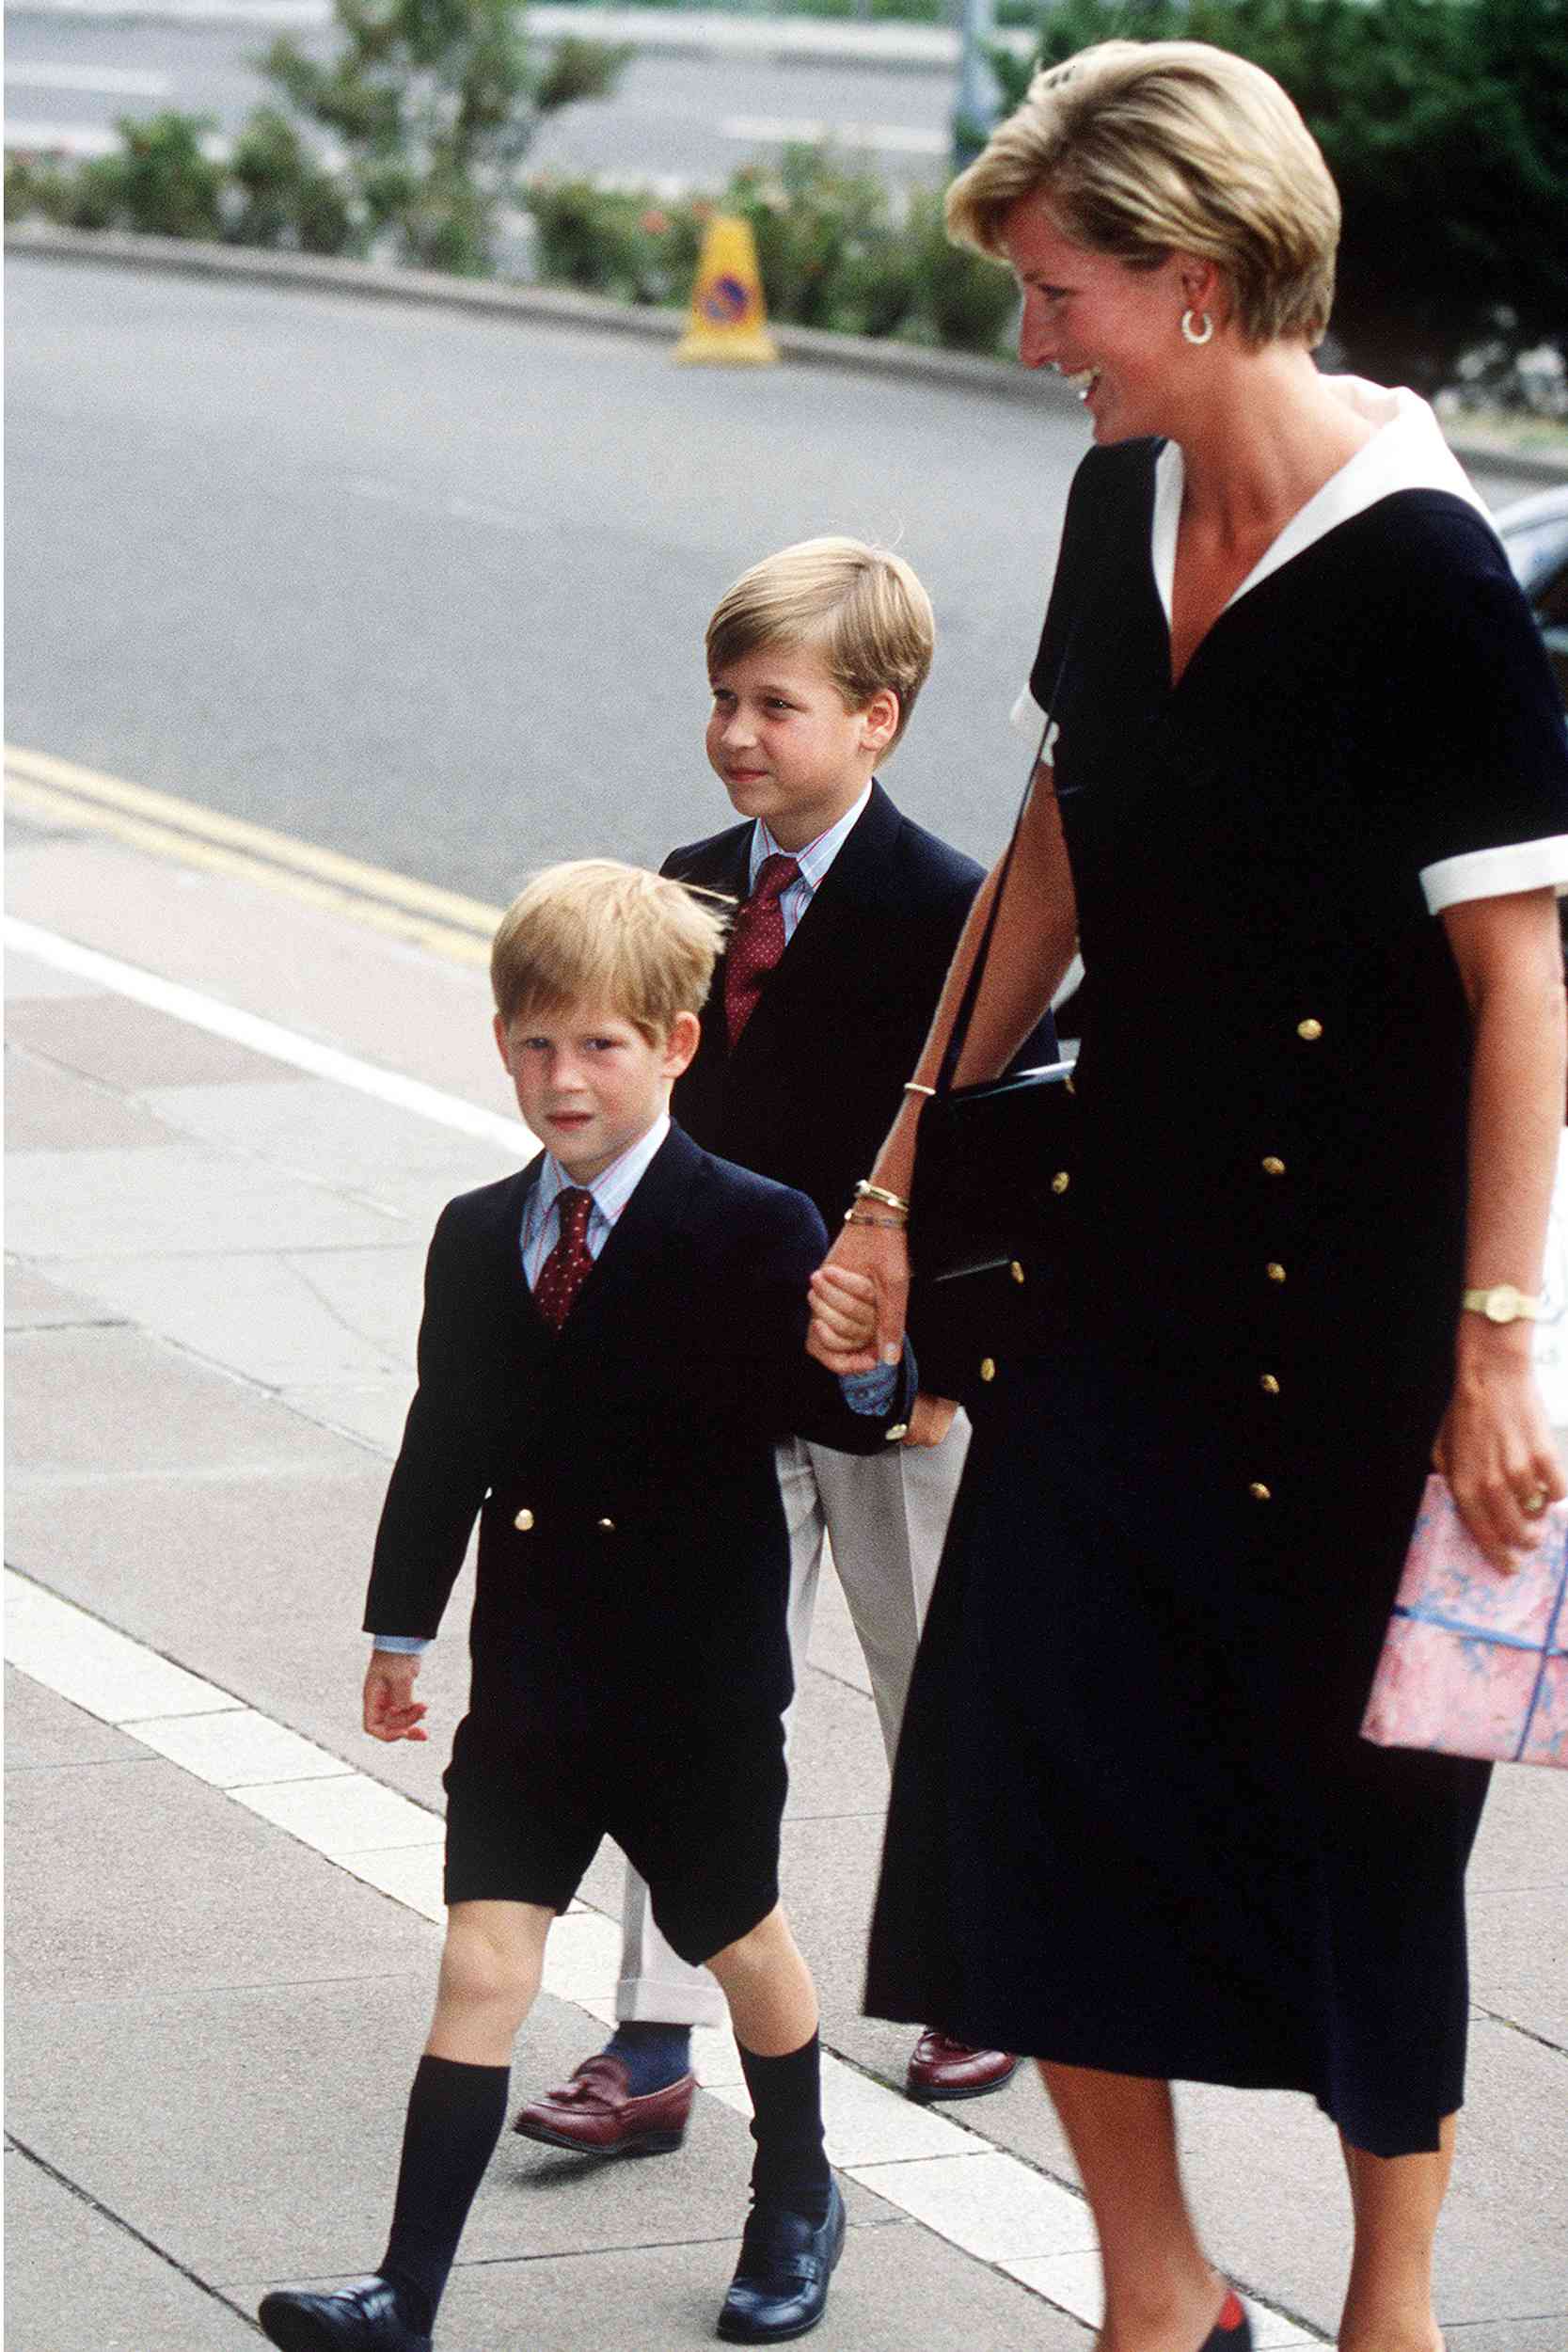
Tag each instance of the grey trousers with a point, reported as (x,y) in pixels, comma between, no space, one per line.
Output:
(886,1517)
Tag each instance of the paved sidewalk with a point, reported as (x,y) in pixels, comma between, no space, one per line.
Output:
(224,1900)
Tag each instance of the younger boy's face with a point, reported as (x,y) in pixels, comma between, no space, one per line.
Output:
(589,1083)
(785,747)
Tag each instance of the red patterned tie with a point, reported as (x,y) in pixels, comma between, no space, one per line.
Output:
(570,1262)
(756,942)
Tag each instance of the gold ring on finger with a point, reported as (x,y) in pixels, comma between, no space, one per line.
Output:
(1535,1504)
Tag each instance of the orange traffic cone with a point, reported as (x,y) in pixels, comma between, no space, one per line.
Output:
(729,318)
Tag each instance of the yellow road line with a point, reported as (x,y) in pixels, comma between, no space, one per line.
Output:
(444,921)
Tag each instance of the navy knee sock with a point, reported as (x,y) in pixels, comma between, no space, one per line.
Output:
(654,2055)
(790,2167)
(455,2113)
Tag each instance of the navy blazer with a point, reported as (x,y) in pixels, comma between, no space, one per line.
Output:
(815,1082)
(630,1523)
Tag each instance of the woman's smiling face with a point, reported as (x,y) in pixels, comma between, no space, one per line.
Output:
(1114,331)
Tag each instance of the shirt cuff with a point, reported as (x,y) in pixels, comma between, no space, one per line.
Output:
(1493,873)
(400,1645)
(870,1392)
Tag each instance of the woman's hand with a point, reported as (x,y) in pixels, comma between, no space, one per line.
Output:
(1494,1447)
(858,1295)
(391,1710)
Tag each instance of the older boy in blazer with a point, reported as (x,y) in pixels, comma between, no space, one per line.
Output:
(849,914)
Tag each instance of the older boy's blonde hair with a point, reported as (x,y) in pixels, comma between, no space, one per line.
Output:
(1141,149)
(860,607)
(613,936)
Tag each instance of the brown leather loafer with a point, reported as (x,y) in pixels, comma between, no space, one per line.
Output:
(595,2115)
(941,2068)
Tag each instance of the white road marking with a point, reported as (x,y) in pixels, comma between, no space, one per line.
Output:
(114,81)
(883,139)
(269,1036)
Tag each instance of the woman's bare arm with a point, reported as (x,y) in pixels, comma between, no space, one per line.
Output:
(1494,1446)
(1034,943)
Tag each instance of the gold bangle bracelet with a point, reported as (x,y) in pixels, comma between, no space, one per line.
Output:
(867,1190)
(913,1086)
(886,1224)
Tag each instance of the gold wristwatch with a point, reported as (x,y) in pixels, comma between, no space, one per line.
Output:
(1503,1303)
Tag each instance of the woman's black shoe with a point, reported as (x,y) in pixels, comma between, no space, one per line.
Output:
(1231,2331)
(364,2317)
(780,2288)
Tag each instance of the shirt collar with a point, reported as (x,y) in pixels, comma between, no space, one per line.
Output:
(815,858)
(1407,452)
(613,1187)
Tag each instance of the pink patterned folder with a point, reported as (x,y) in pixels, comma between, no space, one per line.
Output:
(1475,1662)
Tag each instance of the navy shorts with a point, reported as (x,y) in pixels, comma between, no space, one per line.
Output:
(695,1806)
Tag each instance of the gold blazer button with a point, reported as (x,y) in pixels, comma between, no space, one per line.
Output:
(1268,1385)
(987,1367)
(607,1527)
(899,1429)
(523,1522)
(1259,1493)
(1273,1166)
(1061,1181)
(1274,1271)
(1016,1271)
(1309,1030)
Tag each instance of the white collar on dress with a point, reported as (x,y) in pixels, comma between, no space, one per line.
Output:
(1407,452)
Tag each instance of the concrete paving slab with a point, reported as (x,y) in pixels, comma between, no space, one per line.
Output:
(372,1412)
(1542,2333)
(86,1402)
(304,967)
(1519,1965)
(24,976)
(257,1313)
(133,1881)
(93,1664)
(33,1303)
(48,1109)
(837,1764)
(78,2281)
(1524,1835)
(317,1128)
(350,1814)
(128,1203)
(130,1046)
(45,1733)
(378,1292)
(258,1582)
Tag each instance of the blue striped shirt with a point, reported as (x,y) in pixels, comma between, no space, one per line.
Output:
(814,862)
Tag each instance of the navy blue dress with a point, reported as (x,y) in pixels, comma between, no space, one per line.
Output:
(1133,1825)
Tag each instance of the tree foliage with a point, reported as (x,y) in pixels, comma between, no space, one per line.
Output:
(431,105)
(1445,123)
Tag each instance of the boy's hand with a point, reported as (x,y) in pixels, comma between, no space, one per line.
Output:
(391,1711)
(930,1418)
(842,1319)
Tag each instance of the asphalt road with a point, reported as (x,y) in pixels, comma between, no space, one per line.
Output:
(430,590)
(674,122)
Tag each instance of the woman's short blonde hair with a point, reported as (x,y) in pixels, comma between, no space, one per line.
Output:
(610,936)
(1143,148)
(859,607)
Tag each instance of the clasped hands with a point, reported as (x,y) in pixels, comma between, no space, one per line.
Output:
(858,1297)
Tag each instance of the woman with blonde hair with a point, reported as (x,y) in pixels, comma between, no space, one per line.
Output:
(1302,799)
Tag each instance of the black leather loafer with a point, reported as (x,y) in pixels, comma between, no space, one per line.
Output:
(780,2288)
(364,2317)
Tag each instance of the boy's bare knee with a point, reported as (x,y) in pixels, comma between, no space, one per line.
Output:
(491,1963)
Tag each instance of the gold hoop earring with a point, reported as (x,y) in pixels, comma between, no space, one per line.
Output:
(1198,335)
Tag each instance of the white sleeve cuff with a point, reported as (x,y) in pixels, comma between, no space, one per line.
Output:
(1495,873)
(1070,985)
(1027,715)
(400,1645)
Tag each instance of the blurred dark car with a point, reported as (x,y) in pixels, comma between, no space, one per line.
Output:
(1535,535)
